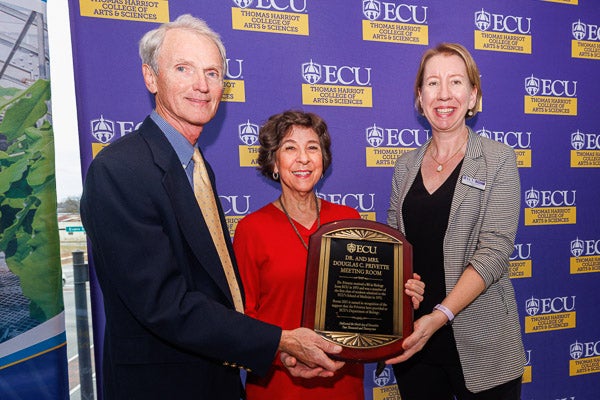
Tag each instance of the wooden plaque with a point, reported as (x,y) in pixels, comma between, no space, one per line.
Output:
(354,289)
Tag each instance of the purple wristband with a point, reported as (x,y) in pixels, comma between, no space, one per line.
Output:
(446,312)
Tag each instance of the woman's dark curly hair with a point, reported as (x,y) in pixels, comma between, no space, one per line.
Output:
(271,135)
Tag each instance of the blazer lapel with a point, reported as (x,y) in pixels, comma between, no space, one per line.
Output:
(471,165)
(185,207)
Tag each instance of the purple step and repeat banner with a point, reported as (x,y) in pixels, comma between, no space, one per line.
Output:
(354,62)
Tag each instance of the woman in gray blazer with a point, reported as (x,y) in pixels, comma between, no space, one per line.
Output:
(457,201)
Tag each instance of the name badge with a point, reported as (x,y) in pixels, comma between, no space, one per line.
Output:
(477,184)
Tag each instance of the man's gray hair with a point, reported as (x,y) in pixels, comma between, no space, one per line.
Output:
(152,41)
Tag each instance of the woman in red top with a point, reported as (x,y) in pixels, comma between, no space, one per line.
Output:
(271,249)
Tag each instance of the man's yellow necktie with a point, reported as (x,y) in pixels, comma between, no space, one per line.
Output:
(206,200)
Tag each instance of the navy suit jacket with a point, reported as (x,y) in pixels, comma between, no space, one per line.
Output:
(171,327)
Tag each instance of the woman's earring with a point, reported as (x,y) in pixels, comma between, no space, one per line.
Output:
(470,113)
(275,176)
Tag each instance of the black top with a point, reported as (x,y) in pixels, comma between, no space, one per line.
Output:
(425,222)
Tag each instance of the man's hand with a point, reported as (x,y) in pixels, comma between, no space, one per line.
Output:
(305,354)
(301,370)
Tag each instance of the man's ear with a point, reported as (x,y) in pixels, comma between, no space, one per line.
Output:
(149,78)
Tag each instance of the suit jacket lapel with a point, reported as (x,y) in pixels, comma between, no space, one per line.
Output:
(411,174)
(184,204)
(471,165)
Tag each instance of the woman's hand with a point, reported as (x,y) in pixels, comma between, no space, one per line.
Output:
(415,288)
(424,328)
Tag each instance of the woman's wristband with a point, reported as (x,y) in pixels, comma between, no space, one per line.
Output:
(446,312)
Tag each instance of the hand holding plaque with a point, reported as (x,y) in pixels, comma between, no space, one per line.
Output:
(354,294)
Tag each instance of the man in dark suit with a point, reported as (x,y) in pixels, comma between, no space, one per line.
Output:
(172,330)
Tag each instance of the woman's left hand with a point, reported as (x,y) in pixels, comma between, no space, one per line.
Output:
(415,288)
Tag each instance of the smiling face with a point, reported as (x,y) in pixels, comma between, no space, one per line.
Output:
(299,160)
(189,83)
(446,93)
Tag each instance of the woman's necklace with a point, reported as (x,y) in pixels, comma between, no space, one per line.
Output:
(440,166)
(294,225)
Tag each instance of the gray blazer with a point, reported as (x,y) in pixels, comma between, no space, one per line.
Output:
(481,231)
